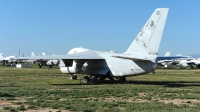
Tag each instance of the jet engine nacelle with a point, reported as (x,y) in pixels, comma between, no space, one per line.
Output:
(68,70)
(75,68)
(72,70)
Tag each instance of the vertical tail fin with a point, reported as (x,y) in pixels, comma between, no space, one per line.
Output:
(168,54)
(32,54)
(148,39)
(43,54)
(1,56)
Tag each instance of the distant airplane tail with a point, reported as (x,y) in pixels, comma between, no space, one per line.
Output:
(43,54)
(32,54)
(147,42)
(1,56)
(168,54)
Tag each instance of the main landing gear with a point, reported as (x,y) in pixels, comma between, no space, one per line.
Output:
(95,78)
(73,77)
(86,80)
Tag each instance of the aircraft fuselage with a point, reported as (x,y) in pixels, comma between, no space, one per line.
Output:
(111,66)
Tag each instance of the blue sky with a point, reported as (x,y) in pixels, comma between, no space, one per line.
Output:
(56,26)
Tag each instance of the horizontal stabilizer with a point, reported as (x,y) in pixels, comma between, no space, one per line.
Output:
(147,41)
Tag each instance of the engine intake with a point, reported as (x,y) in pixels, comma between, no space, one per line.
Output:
(75,68)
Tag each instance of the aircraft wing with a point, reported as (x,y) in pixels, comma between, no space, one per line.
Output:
(196,62)
(80,55)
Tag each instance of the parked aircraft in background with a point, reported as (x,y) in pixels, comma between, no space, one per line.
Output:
(196,62)
(192,62)
(8,59)
(1,56)
(30,60)
(178,60)
(168,54)
(46,62)
(167,61)
(42,62)
(139,58)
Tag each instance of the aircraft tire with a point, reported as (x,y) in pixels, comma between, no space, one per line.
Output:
(122,78)
(111,78)
(102,78)
(74,77)
(86,79)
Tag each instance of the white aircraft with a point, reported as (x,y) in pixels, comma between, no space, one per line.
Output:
(168,54)
(139,58)
(50,63)
(192,62)
(8,59)
(30,60)
(43,62)
(1,56)
(196,62)
(167,61)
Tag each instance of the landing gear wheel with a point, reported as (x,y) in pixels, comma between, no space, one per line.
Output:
(122,79)
(86,79)
(102,78)
(93,78)
(40,65)
(111,78)
(73,77)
